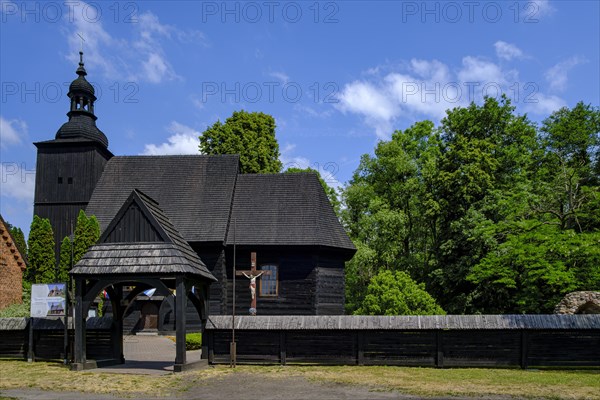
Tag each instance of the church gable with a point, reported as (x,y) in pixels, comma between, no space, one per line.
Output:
(134,223)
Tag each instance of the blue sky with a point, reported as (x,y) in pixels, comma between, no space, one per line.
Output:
(337,75)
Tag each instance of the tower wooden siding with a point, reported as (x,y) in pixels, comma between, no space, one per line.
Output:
(83,163)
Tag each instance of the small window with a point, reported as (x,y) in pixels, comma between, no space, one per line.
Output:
(60,180)
(269,284)
(70,181)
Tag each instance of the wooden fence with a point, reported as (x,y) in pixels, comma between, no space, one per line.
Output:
(432,341)
(48,338)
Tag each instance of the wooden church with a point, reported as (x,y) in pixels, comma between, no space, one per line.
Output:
(286,219)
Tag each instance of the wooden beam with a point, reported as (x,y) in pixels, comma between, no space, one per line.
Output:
(180,322)
(282,347)
(360,348)
(524,349)
(439,359)
(79,322)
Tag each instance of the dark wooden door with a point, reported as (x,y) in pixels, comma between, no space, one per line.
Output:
(149,316)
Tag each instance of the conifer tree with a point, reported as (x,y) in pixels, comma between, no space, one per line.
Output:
(19,239)
(42,257)
(87,233)
(64,265)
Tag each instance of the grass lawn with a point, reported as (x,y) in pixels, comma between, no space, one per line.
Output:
(551,384)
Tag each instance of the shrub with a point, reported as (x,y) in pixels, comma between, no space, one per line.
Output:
(193,341)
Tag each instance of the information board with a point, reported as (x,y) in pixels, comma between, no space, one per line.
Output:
(48,300)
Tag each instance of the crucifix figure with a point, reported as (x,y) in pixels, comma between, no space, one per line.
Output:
(252,275)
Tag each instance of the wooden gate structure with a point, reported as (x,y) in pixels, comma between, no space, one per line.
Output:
(140,248)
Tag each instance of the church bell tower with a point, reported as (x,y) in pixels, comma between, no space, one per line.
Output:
(69,166)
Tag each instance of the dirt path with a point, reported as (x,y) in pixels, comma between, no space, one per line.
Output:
(244,387)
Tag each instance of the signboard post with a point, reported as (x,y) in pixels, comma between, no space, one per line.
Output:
(47,300)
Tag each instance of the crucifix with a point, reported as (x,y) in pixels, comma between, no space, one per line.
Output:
(82,40)
(252,275)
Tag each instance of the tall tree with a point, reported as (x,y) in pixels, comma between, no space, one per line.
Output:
(19,238)
(251,135)
(483,179)
(64,263)
(42,259)
(391,211)
(551,248)
(87,233)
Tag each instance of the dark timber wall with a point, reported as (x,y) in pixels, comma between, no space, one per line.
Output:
(436,341)
(310,283)
(66,175)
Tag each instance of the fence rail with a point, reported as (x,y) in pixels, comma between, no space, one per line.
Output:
(440,341)
(48,338)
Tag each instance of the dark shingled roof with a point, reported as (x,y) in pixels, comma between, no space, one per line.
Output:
(196,191)
(81,127)
(172,255)
(285,209)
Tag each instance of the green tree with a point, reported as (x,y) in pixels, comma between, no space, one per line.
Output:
(533,269)
(391,211)
(64,264)
(567,180)
(395,293)
(42,259)
(551,247)
(251,135)
(87,233)
(329,191)
(19,239)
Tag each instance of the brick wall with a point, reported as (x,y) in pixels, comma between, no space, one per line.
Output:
(12,266)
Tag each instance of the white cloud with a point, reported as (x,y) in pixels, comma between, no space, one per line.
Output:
(557,76)
(12,132)
(428,88)
(156,68)
(280,76)
(539,8)
(183,140)
(310,111)
(475,69)
(139,58)
(17,182)
(507,51)
(199,104)
(542,104)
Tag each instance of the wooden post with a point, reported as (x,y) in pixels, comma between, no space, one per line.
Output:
(360,348)
(79,323)
(117,293)
(524,349)
(282,347)
(180,322)
(30,355)
(439,359)
(211,347)
(232,348)
(66,332)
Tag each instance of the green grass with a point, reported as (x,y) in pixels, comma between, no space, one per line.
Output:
(424,382)
(15,310)
(481,382)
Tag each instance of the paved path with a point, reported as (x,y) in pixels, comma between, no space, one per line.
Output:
(148,355)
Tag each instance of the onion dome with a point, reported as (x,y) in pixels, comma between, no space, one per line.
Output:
(82,121)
